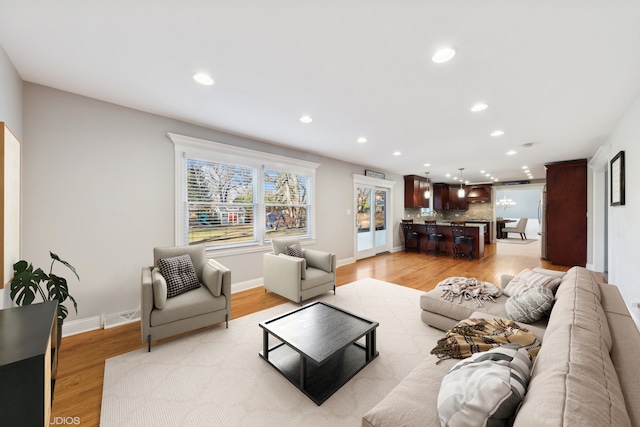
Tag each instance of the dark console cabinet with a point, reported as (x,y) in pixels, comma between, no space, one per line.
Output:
(566,213)
(28,363)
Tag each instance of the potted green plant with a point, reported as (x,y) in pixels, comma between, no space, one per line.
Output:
(27,283)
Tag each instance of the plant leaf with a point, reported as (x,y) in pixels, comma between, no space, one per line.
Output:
(69,266)
(26,283)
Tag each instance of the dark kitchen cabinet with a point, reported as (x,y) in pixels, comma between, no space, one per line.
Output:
(414,188)
(440,196)
(456,202)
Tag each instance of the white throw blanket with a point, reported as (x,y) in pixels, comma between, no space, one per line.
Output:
(469,289)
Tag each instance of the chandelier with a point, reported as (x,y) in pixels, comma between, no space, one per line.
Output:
(505,202)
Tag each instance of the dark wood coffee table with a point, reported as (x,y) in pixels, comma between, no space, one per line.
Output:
(318,349)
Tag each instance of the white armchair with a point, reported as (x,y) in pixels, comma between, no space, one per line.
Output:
(163,315)
(298,278)
(520,228)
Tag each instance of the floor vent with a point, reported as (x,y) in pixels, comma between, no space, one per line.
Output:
(118,319)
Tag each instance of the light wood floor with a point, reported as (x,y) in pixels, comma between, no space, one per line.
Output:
(78,391)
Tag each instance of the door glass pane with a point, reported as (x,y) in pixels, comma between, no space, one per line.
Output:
(363,219)
(381,218)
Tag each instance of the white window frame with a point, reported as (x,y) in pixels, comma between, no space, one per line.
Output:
(186,146)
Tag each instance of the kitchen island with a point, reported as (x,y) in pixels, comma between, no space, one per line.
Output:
(477,231)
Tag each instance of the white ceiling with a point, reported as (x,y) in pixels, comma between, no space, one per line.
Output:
(557,74)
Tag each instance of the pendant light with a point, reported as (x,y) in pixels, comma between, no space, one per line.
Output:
(461,190)
(427,192)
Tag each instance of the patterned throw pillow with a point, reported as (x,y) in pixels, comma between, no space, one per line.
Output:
(528,279)
(179,274)
(530,306)
(486,387)
(293,250)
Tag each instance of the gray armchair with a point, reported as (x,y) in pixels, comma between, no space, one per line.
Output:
(163,316)
(298,278)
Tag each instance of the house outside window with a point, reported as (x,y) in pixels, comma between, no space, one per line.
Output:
(234,198)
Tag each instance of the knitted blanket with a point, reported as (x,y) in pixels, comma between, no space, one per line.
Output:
(469,289)
(475,335)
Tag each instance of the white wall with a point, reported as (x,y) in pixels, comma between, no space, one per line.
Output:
(624,234)
(98,189)
(11,114)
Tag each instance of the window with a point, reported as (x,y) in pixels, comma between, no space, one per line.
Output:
(231,197)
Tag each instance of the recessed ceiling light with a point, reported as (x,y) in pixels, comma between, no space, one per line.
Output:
(203,79)
(427,164)
(448,175)
(497,132)
(527,171)
(488,174)
(495,179)
(480,106)
(525,167)
(443,55)
(362,140)
(306,119)
(511,153)
(397,153)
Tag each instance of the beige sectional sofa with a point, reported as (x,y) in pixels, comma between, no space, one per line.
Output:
(587,372)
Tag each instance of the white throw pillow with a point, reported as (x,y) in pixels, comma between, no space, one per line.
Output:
(159,289)
(486,388)
(212,279)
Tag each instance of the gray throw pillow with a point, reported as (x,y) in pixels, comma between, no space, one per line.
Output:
(179,275)
(528,279)
(486,388)
(530,306)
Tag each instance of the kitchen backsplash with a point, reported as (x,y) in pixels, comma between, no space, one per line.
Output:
(476,211)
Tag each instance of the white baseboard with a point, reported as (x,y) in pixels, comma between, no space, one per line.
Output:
(79,326)
(247,284)
(345,261)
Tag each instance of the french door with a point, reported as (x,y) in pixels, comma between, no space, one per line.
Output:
(372,198)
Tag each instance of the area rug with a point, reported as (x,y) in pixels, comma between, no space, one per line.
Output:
(216,378)
(516,241)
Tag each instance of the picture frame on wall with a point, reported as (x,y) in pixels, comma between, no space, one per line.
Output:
(373,174)
(616,178)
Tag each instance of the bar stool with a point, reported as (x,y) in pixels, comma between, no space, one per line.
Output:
(410,234)
(434,236)
(460,239)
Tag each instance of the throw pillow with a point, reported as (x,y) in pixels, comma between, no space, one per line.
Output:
(179,273)
(293,250)
(531,305)
(159,289)
(486,388)
(528,279)
(212,278)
